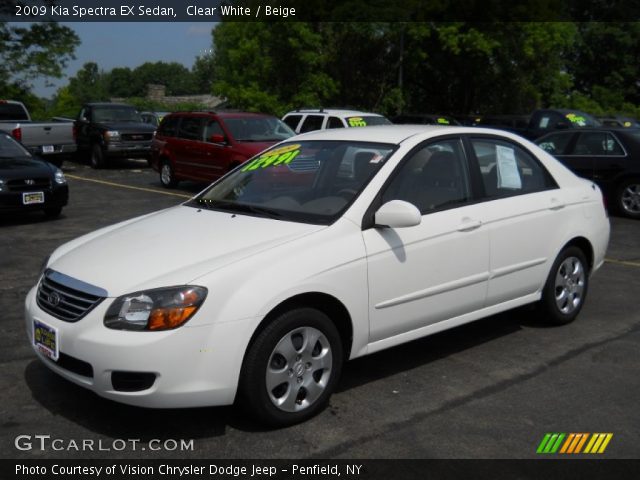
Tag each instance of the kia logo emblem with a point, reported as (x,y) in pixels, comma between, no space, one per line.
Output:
(54,298)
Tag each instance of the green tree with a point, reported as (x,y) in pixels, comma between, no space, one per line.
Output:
(203,72)
(30,51)
(272,67)
(175,76)
(89,84)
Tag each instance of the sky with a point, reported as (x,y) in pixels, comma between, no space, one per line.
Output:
(129,44)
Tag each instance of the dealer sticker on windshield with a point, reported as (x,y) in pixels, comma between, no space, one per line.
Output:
(356,122)
(45,339)
(279,156)
(29,198)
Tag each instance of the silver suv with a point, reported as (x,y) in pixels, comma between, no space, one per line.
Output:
(307,120)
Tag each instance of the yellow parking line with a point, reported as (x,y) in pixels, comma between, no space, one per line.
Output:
(628,263)
(112,184)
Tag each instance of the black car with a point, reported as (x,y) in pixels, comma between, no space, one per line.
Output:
(29,183)
(608,156)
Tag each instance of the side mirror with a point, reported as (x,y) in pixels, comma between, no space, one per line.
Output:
(397,214)
(217,138)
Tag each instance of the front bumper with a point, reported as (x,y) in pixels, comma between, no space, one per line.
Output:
(128,149)
(194,366)
(11,201)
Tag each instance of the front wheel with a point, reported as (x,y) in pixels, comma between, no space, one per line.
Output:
(628,198)
(97,157)
(566,288)
(291,368)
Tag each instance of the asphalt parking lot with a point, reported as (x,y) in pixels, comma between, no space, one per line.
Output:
(490,389)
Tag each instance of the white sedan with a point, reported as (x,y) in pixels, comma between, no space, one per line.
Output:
(327,247)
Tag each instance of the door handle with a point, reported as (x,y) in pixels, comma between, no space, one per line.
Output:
(556,204)
(469,225)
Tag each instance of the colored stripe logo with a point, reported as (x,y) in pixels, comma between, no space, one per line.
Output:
(574,443)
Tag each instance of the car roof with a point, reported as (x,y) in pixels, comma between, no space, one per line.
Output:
(223,114)
(394,134)
(333,111)
(108,104)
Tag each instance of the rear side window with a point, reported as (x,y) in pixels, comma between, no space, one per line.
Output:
(292,121)
(509,170)
(555,144)
(311,123)
(169,127)
(190,128)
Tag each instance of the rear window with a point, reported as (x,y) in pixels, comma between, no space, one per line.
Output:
(366,121)
(292,121)
(311,123)
(13,111)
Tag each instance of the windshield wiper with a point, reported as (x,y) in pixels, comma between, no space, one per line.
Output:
(238,207)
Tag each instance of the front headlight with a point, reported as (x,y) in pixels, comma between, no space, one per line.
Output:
(59,177)
(157,309)
(1,184)
(111,136)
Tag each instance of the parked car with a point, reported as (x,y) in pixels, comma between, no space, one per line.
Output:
(258,290)
(51,140)
(203,146)
(609,157)
(153,118)
(308,120)
(424,119)
(110,130)
(27,182)
(540,122)
(619,121)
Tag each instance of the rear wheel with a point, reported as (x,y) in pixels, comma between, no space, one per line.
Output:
(167,176)
(97,157)
(566,288)
(291,368)
(628,198)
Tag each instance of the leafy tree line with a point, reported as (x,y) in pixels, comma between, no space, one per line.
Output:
(453,67)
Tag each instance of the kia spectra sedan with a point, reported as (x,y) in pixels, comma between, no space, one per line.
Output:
(326,247)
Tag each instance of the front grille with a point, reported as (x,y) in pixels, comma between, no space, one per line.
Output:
(28,184)
(74,365)
(67,298)
(136,137)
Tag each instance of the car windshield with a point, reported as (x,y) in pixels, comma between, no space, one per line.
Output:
(367,120)
(9,148)
(258,129)
(305,181)
(116,114)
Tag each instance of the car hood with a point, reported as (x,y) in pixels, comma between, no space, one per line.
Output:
(171,247)
(23,167)
(127,127)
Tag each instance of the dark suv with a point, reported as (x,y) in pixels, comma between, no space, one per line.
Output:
(203,146)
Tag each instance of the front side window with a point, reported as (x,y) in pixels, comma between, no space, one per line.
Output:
(598,144)
(258,129)
(306,181)
(191,128)
(212,128)
(432,178)
(311,123)
(508,170)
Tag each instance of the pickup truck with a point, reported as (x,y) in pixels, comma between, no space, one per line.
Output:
(109,130)
(540,122)
(50,140)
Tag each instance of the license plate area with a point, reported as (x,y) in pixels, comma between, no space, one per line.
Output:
(30,198)
(45,339)
(47,149)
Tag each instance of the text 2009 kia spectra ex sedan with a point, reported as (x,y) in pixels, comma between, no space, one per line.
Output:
(327,247)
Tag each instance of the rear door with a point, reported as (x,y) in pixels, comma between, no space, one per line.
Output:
(524,211)
(186,147)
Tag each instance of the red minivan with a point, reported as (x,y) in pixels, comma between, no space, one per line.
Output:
(203,146)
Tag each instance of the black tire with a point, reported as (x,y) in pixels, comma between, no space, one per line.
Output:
(52,212)
(628,198)
(565,290)
(167,175)
(97,159)
(311,372)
